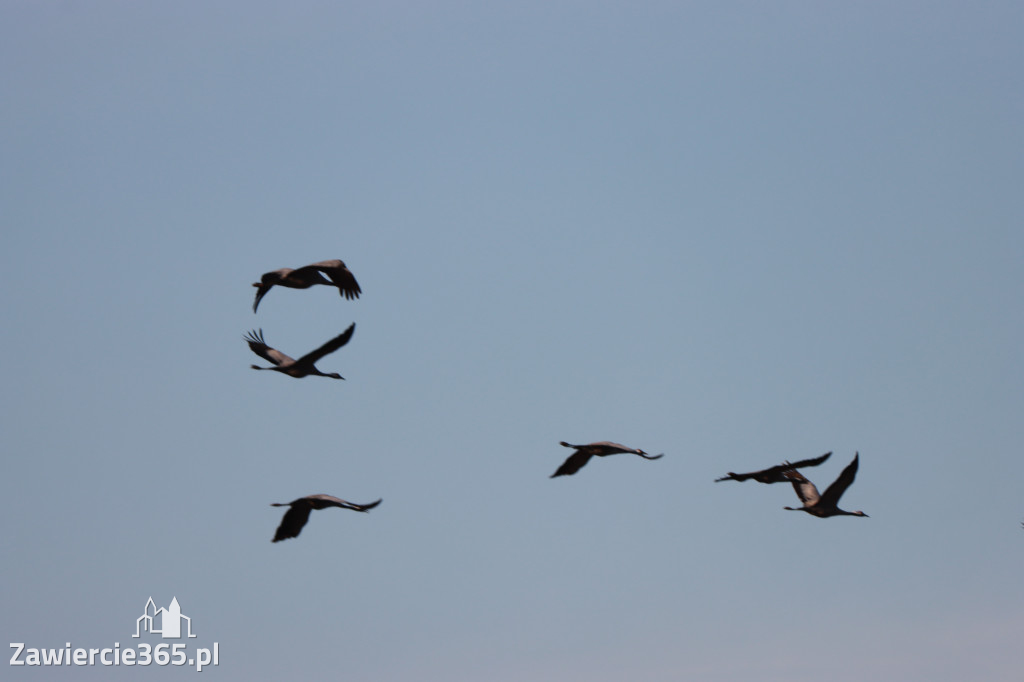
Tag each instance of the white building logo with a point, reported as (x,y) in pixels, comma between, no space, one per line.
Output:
(169,621)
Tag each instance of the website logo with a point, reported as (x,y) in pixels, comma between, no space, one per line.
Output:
(169,623)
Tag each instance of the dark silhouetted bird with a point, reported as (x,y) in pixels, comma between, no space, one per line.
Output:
(827,504)
(305,277)
(295,518)
(304,366)
(602,449)
(775,474)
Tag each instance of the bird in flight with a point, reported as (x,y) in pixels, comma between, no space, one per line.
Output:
(297,516)
(303,278)
(828,504)
(583,454)
(302,367)
(775,474)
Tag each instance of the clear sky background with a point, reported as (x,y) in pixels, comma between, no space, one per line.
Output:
(732,232)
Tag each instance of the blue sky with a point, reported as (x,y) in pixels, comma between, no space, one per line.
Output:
(735,233)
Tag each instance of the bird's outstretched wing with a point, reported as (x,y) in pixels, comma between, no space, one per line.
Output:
(813,462)
(606,447)
(330,500)
(292,522)
(839,486)
(774,474)
(334,344)
(341,276)
(260,348)
(574,463)
(805,490)
(261,291)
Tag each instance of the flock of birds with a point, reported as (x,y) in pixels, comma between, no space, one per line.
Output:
(330,273)
(335,273)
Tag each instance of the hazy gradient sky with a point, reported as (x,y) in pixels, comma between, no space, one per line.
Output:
(732,232)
